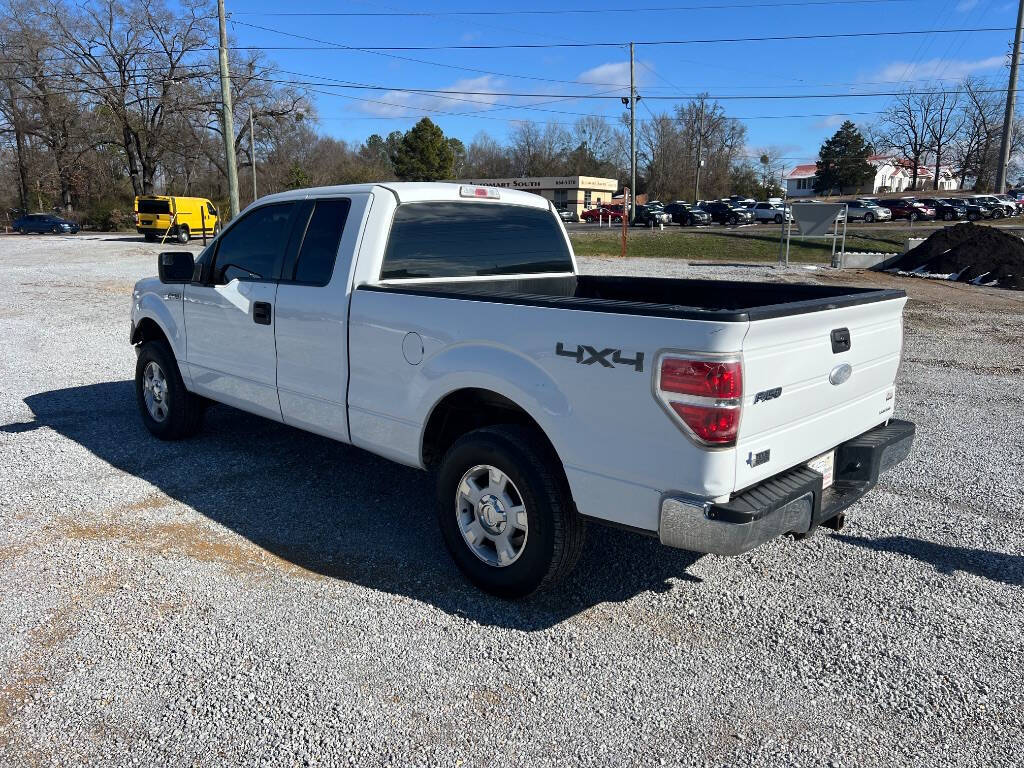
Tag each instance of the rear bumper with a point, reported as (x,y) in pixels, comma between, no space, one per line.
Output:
(790,502)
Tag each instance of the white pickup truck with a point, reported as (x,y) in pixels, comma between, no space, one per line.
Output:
(446,327)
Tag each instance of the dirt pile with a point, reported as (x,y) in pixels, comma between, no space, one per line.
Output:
(972,252)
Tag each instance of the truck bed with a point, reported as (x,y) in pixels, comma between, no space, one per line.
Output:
(718,300)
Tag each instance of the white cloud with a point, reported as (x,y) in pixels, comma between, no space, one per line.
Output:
(615,73)
(403,103)
(832,121)
(966,5)
(932,69)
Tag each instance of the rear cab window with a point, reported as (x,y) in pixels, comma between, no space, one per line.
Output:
(473,239)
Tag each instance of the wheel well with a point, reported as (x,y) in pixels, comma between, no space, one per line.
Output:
(148,330)
(465,410)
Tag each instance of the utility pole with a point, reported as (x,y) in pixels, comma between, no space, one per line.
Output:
(1011,99)
(632,136)
(252,154)
(700,139)
(227,119)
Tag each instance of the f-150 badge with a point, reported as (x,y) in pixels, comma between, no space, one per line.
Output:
(606,358)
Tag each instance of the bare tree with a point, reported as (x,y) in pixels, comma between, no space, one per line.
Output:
(907,129)
(133,56)
(945,125)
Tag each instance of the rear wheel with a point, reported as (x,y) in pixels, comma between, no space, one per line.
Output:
(168,410)
(22,230)
(505,511)
(150,238)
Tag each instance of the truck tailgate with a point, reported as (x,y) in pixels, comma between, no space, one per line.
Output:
(799,398)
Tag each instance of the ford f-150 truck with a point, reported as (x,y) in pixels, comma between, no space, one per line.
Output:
(446,327)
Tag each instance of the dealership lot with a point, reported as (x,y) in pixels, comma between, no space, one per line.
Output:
(263,595)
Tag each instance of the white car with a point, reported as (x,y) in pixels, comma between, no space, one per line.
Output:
(446,327)
(769,212)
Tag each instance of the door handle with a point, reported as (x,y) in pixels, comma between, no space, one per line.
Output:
(261,312)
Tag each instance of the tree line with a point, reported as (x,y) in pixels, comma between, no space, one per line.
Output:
(104,100)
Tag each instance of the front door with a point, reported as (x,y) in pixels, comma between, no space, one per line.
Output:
(229,320)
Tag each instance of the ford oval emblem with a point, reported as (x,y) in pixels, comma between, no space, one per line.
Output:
(840,374)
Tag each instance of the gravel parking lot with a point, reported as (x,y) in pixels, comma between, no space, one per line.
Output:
(258,595)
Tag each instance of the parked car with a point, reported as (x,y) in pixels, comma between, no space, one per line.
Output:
(181,218)
(908,208)
(686,215)
(453,333)
(569,217)
(44,223)
(1000,208)
(740,201)
(1011,203)
(765,211)
(988,210)
(867,211)
(601,214)
(646,216)
(724,213)
(968,210)
(943,210)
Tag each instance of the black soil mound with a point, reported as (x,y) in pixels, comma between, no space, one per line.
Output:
(972,252)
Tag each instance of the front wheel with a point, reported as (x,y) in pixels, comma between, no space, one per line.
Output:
(505,511)
(914,217)
(183,234)
(168,410)
(973,216)
(778,218)
(868,218)
(997,214)
(734,220)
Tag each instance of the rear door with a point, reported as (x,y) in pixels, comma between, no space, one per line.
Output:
(312,315)
(814,380)
(230,319)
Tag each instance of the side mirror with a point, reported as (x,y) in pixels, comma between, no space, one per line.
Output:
(176,266)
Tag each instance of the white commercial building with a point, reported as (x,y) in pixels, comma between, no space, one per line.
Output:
(568,193)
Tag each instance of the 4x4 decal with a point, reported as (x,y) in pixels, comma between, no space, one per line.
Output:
(587,355)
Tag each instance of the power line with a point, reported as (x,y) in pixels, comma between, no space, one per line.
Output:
(602,44)
(575,11)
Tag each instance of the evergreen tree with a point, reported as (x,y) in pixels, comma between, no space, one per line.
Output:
(843,161)
(424,154)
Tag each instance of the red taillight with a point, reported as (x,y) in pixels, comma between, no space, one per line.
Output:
(712,425)
(702,378)
(705,395)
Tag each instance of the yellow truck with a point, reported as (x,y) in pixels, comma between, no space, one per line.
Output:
(160,217)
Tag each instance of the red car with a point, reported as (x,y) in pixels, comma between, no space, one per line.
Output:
(604,213)
(908,209)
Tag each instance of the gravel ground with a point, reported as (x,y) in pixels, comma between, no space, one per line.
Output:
(258,595)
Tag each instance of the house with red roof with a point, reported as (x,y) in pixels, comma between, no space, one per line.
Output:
(892,174)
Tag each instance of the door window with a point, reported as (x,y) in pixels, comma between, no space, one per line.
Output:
(253,249)
(320,243)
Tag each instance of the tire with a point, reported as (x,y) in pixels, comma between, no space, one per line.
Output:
(540,553)
(182,234)
(913,216)
(973,216)
(947,216)
(55,231)
(650,223)
(869,217)
(734,220)
(997,213)
(158,378)
(23,231)
(150,238)
(778,218)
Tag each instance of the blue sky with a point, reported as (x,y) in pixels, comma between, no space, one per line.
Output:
(788,68)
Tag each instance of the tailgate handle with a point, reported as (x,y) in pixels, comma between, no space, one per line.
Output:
(840,340)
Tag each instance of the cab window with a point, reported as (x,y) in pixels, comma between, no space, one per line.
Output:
(253,249)
(320,243)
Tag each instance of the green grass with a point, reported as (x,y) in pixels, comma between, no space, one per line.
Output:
(727,246)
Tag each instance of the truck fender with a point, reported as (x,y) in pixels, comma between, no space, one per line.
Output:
(495,369)
(151,308)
